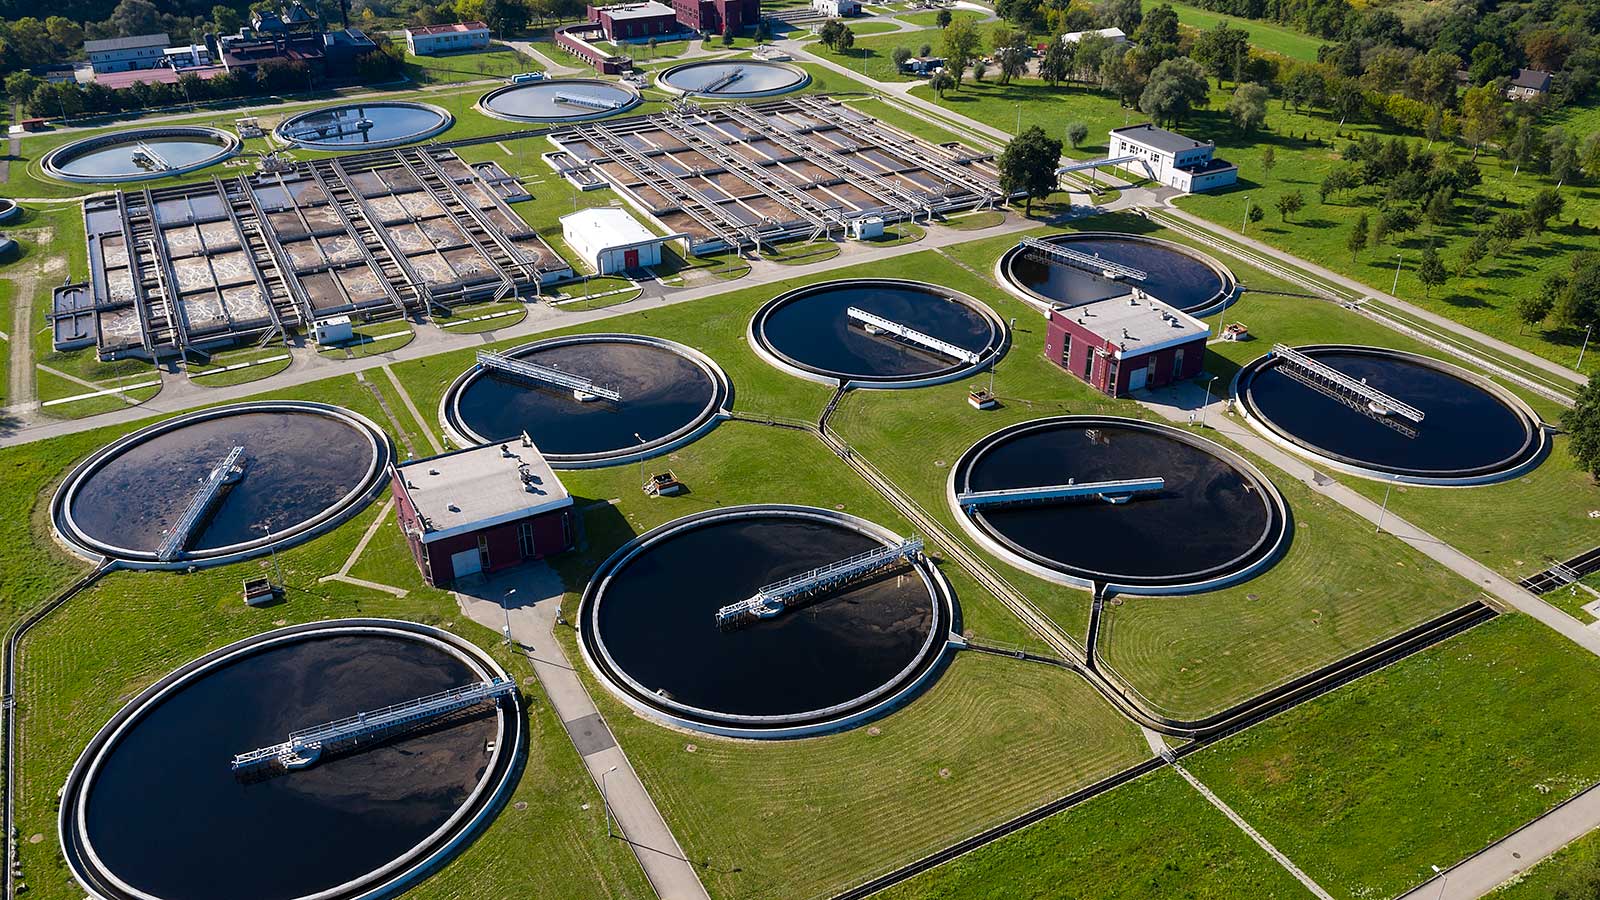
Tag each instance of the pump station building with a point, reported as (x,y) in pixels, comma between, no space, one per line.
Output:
(481,510)
(1126,343)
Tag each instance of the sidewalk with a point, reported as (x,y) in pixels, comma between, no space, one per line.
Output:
(526,601)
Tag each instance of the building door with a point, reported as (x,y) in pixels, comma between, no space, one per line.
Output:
(1177,364)
(465,563)
(1138,377)
(630,259)
(525,539)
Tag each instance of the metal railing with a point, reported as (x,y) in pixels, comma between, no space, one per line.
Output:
(912,336)
(1376,400)
(1091,263)
(774,598)
(225,473)
(1115,491)
(521,368)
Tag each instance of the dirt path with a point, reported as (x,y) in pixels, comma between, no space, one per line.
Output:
(19,390)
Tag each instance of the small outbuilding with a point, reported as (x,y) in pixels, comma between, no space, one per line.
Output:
(837,9)
(611,241)
(1528,84)
(1126,343)
(1173,159)
(624,22)
(1114,35)
(454,37)
(482,510)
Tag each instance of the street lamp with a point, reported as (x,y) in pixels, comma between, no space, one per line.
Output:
(1019,119)
(604,800)
(1585,347)
(1384,510)
(505,604)
(1245,225)
(1396,286)
(641,459)
(1443,883)
(1207,404)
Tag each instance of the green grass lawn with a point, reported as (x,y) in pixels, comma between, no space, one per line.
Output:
(263,362)
(498,61)
(801,253)
(1420,764)
(1264,36)
(930,18)
(1565,869)
(1155,837)
(371,339)
(490,316)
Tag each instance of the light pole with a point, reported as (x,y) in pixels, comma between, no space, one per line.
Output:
(641,459)
(1585,347)
(272,551)
(505,604)
(1245,225)
(1396,286)
(1384,510)
(1019,119)
(1207,404)
(1443,883)
(605,801)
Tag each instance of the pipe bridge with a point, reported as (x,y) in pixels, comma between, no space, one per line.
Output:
(1356,393)
(581,387)
(1115,492)
(225,473)
(879,325)
(306,746)
(1093,264)
(774,598)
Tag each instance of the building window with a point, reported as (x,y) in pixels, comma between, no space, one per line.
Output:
(525,538)
(1177,364)
(1066,351)
(1088,364)
(483,551)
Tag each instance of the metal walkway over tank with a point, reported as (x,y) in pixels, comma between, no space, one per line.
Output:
(774,598)
(910,335)
(581,387)
(1093,264)
(304,747)
(1355,393)
(1116,491)
(227,472)
(587,102)
(723,81)
(340,127)
(147,157)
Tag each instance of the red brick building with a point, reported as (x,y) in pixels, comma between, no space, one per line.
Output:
(1126,343)
(481,510)
(718,16)
(635,21)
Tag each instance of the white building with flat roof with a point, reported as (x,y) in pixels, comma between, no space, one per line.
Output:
(1114,35)
(837,9)
(611,240)
(428,40)
(123,54)
(1176,161)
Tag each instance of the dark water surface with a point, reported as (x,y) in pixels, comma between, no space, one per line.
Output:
(1208,516)
(1464,427)
(814,331)
(656,618)
(297,465)
(167,815)
(1173,277)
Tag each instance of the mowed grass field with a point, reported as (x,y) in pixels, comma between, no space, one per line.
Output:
(1154,837)
(1420,764)
(1264,36)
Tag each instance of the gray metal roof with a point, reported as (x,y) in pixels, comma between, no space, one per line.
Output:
(1532,79)
(1159,138)
(127,43)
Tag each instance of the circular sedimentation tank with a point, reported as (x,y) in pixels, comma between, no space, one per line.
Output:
(364,126)
(153,809)
(1176,275)
(648,624)
(810,332)
(733,79)
(303,469)
(670,394)
(9,209)
(1472,431)
(558,100)
(140,153)
(1213,521)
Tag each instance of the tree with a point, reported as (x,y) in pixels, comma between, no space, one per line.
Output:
(941,81)
(1488,63)
(1255,214)
(1177,87)
(1248,107)
(1119,73)
(1482,114)
(1431,270)
(925,51)
(67,34)
(1545,205)
(836,35)
(1158,33)
(1534,308)
(1220,50)
(652,44)
(1029,164)
(1077,132)
(1012,58)
(505,16)
(1123,14)
(1582,425)
(1441,206)
(1357,241)
(20,86)
(1056,64)
(942,19)
(1268,160)
(979,69)
(134,17)
(900,55)
(1289,204)
(961,43)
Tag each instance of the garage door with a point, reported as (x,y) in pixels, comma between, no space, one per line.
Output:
(1137,377)
(467,562)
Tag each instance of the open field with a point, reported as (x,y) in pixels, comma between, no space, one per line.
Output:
(1154,837)
(499,61)
(1367,787)
(1264,36)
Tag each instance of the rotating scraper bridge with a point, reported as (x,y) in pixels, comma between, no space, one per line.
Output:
(1354,393)
(775,598)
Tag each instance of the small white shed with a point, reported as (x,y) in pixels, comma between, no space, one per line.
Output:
(612,241)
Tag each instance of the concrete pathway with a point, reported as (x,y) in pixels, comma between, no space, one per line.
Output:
(21,427)
(1515,853)
(524,603)
(1179,403)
